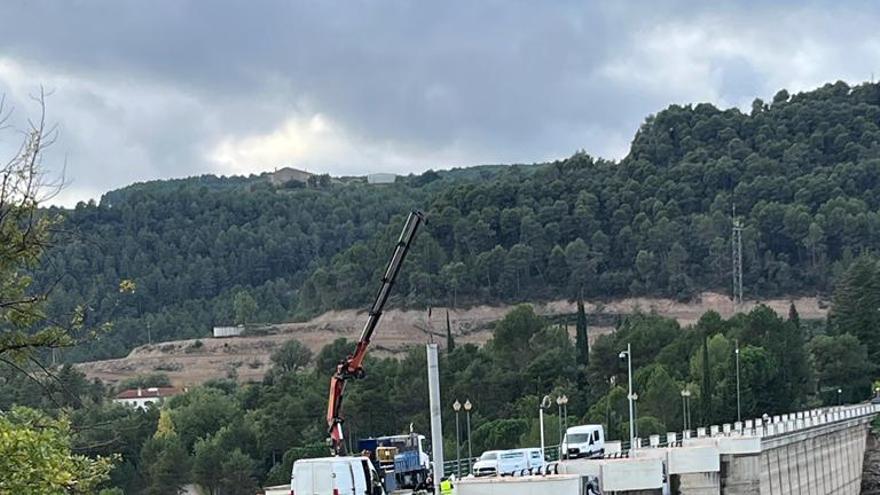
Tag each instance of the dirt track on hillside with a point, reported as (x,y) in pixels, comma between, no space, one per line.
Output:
(188,362)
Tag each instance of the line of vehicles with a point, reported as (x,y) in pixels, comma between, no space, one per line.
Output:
(400,462)
(584,441)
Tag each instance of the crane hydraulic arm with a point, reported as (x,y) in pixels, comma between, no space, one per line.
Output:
(352,366)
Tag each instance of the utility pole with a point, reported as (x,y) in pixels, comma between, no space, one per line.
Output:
(627,354)
(736,245)
(738,407)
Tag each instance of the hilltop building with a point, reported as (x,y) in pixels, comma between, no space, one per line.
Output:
(381,178)
(284,175)
(140,398)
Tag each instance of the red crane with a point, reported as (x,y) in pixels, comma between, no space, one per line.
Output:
(352,365)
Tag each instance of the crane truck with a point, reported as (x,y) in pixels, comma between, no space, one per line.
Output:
(352,365)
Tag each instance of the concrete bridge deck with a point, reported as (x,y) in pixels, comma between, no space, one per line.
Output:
(814,452)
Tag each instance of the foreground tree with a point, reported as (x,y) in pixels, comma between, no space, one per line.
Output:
(36,457)
(35,450)
(24,235)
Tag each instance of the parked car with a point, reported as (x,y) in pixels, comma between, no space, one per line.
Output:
(487,464)
(518,460)
(335,475)
(584,441)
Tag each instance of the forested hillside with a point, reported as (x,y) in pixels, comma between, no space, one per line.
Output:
(803,173)
(190,246)
(189,250)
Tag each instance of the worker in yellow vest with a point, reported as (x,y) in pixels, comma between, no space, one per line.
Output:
(446,487)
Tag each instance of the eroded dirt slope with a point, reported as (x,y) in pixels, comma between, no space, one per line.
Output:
(189,362)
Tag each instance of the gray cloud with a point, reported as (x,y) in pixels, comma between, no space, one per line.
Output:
(173,88)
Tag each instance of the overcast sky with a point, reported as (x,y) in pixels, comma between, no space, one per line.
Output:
(159,89)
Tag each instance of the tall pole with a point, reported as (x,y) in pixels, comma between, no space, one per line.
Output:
(436,415)
(690,423)
(684,424)
(467,410)
(457,407)
(629,373)
(541,422)
(559,417)
(564,413)
(636,414)
(736,245)
(545,403)
(738,403)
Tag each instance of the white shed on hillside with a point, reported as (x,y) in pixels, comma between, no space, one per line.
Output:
(220,332)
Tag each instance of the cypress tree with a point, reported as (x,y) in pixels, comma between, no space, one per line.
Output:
(450,342)
(582,341)
(793,316)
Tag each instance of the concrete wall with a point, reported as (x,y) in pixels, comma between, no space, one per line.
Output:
(823,460)
(741,474)
(533,485)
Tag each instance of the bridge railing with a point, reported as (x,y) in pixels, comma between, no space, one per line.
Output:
(766,426)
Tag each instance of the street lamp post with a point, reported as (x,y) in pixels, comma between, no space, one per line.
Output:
(628,355)
(738,407)
(562,402)
(839,396)
(545,404)
(611,382)
(467,409)
(559,417)
(635,420)
(565,412)
(685,395)
(457,407)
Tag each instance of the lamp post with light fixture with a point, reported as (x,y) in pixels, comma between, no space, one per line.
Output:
(738,406)
(627,354)
(456,406)
(685,409)
(467,409)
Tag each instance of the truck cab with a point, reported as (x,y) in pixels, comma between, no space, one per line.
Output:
(584,441)
(335,475)
(401,456)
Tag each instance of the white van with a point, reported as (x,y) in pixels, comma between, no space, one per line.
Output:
(584,441)
(487,464)
(518,460)
(335,476)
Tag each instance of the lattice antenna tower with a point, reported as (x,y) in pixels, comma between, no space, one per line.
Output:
(736,245)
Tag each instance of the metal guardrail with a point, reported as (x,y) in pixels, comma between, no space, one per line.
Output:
(452,467)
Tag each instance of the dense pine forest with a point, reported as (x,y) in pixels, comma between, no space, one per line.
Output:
(802,173)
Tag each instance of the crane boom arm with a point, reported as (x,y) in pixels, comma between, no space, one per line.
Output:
(352,365)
